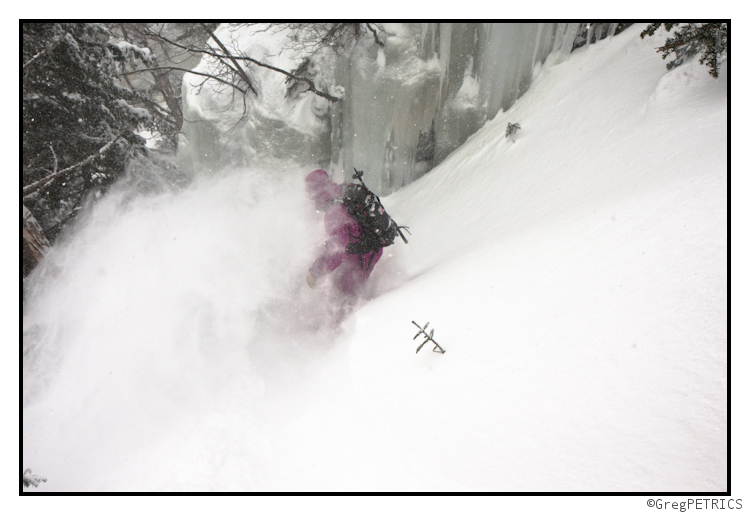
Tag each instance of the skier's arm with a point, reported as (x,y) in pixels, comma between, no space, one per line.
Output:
(333,254)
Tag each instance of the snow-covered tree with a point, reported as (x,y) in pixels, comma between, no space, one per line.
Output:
(711,40)
(79,121)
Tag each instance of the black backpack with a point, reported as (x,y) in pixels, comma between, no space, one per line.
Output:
(378,228)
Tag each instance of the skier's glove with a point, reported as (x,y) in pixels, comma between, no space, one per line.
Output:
(310,280)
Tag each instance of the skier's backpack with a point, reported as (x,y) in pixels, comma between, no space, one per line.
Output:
(378,228)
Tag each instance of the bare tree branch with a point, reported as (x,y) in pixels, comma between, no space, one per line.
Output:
(237,68)
(156,109)
(165,88)
(375,35)
(54,156)
(295,77)
(186,71)
(30,188)
(309,82)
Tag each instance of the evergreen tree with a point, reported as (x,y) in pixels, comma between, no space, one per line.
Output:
(711,40)
(79,122)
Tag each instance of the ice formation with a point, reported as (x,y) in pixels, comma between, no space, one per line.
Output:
(404,106)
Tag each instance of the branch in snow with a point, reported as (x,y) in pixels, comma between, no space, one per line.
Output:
(137,112)
(427,338)
(29,479)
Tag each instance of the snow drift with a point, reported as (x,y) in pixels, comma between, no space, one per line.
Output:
(576,276)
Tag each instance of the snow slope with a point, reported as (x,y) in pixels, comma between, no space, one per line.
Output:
(577,278)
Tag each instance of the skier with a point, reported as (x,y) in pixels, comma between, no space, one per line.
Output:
(350,270)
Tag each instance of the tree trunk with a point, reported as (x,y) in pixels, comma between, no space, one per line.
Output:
(162,82)
(35,244)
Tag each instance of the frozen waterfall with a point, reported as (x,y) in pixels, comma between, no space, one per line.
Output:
(403,107)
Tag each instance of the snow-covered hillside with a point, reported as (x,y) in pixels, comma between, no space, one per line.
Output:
(577,278)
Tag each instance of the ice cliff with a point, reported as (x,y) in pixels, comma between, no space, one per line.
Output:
(403,106)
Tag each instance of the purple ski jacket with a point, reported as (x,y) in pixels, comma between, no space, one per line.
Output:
(349,273)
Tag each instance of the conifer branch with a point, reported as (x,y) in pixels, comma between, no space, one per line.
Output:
(30,188)
(49,48)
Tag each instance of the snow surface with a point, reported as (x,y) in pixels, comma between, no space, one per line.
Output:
(576,277)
